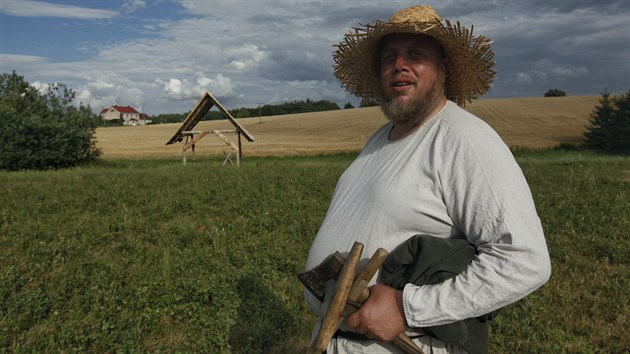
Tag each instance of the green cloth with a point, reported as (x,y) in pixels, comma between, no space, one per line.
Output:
(426,260)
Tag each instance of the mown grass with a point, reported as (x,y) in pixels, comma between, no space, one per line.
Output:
(151,256)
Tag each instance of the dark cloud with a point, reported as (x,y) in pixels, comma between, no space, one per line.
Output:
(580,48)
(296,65)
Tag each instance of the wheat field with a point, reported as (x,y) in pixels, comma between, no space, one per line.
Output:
(521,122)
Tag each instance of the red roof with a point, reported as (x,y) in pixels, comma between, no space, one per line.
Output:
(120,109)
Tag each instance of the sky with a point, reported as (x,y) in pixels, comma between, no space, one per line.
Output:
(160,56)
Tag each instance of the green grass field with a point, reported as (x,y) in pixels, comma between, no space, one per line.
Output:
(150,255)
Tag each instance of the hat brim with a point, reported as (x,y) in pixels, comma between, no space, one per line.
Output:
(470,59)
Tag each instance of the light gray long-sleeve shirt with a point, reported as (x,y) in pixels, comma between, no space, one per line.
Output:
(455,178)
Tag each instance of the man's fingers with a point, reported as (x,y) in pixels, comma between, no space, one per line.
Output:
(352,321)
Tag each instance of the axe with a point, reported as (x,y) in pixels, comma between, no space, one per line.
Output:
(349,294)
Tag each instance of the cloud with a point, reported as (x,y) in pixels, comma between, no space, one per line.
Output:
(27,8)
(523,78)
(184,89)
(280,50)
(41,87)
(569,71)
(7,60)
(528,78)
(102,93)
(133,5)
(245,57)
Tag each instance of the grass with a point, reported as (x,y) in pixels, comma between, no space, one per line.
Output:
(582,199)
(151,256)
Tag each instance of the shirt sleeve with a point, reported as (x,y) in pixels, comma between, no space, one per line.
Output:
(489,201)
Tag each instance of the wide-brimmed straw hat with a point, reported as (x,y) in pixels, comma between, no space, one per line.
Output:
(470,58)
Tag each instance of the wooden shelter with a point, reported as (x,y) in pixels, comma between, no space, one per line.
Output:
(189,137)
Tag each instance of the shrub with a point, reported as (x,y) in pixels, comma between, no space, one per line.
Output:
(43,130)
(610,124)
(555,93)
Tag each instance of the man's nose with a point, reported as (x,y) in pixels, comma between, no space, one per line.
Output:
(400,63)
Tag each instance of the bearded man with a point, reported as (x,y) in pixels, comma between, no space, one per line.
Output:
(434,175)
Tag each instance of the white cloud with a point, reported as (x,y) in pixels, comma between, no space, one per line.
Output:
(133,5)
(84,96)
(173,88)
(101,86)
(527,78)
(244,58)
(41,87)
(569,71)
(27,8)
(101,93)
(184,89)
(14,59)
(523,78)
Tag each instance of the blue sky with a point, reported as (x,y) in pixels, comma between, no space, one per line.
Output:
(160,55)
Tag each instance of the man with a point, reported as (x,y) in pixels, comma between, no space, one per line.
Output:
(433,169)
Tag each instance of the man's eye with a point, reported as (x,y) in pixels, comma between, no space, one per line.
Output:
(416,55)
(388,58)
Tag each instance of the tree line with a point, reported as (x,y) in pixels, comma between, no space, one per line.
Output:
(292,107)
(45,129)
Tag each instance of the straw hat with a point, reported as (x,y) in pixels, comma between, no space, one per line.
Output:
(470,59)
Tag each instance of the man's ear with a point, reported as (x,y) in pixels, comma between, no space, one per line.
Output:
(444,66)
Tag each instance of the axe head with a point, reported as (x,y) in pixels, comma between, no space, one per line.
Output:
(315,279)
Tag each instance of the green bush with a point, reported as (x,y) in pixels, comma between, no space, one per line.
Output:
(43,130)
(610,124)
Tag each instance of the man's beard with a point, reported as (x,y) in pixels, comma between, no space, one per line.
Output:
(415,111)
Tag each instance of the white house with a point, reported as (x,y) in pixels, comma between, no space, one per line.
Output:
(128,114)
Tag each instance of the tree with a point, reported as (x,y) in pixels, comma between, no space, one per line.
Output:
(348,105)
(610,124)
(43,130)
(368,102)
(241,113)
(555,93)
(168,118)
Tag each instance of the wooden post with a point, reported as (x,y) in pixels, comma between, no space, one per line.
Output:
(184,142)
(240,148)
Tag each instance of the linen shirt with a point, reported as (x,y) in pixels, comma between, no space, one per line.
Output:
(453,177)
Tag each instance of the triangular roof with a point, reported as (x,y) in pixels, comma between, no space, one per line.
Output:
(203,106)
(121,109)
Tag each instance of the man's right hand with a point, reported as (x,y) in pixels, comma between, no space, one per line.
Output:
(381,316)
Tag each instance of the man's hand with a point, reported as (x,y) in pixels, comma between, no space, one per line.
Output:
(381,316)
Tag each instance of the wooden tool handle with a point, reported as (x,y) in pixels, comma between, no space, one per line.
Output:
(362,280)
(338,302)
(359,293)
(404,343)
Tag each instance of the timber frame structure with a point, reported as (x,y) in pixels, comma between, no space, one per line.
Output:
(189,137)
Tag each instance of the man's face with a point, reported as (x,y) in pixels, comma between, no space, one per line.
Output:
(412,73)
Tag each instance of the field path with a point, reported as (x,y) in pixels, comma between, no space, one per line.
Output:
(523,122)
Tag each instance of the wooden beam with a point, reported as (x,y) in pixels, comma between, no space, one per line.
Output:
(195,139)
(206,102)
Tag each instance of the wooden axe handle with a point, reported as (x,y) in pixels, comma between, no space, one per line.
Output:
(404,343)
(368,272)
(338,302)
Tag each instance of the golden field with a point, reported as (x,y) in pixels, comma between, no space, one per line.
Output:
(524,122)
